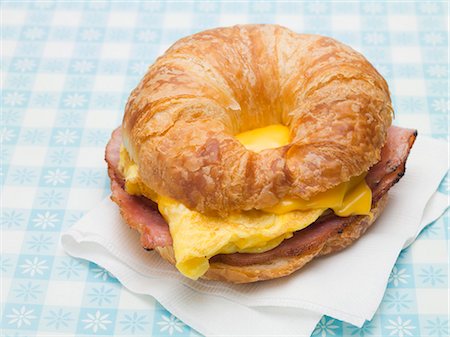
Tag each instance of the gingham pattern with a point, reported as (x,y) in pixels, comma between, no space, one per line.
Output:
(67,71)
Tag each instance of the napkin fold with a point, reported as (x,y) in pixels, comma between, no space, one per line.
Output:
(348,285)
(146,273)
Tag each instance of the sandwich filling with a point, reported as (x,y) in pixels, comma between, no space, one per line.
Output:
(198,237)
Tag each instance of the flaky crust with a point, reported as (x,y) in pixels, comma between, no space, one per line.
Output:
(282,266)
(180,121)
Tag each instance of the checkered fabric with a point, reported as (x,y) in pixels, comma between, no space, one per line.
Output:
(67,70)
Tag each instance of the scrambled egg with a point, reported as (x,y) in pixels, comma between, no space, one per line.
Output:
(198,237)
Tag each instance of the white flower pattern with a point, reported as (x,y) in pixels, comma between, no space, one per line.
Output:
(45,220)
(20,317)
(56,177)
(147,35)
(96,322)
(102,274)
(24,65)
(170,324)
(6,135)
(437,70)
(66,137)
(14,99)
(75,100)
(35,266)
(441,105)
(434,38)
(83,66)
(326,326)
(398,276)
(400,328)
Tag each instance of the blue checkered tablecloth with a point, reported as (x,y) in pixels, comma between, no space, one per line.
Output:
(67,70)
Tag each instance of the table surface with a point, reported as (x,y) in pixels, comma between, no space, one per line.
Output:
(68,69)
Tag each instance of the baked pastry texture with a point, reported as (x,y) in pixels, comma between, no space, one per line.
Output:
(180,121)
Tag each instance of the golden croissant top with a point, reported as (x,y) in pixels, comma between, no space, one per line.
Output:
(181,119)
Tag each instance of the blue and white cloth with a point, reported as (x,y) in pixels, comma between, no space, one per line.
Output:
(67,70)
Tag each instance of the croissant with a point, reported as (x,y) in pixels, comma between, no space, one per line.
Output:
(186,177)
(180,121)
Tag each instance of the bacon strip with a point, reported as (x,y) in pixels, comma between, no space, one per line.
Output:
(112,154)
(141,213)
(391,167)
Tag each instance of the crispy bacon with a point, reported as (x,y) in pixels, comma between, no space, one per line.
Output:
(391,167)
(112,155)
(139,213)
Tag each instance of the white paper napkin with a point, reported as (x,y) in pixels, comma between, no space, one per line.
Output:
(348,285)
(116,248)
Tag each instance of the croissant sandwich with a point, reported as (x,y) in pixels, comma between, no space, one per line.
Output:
(247,151)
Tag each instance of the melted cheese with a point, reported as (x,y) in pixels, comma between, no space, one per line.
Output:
(198,237)
(349,198)
(269,137)
(356,201)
